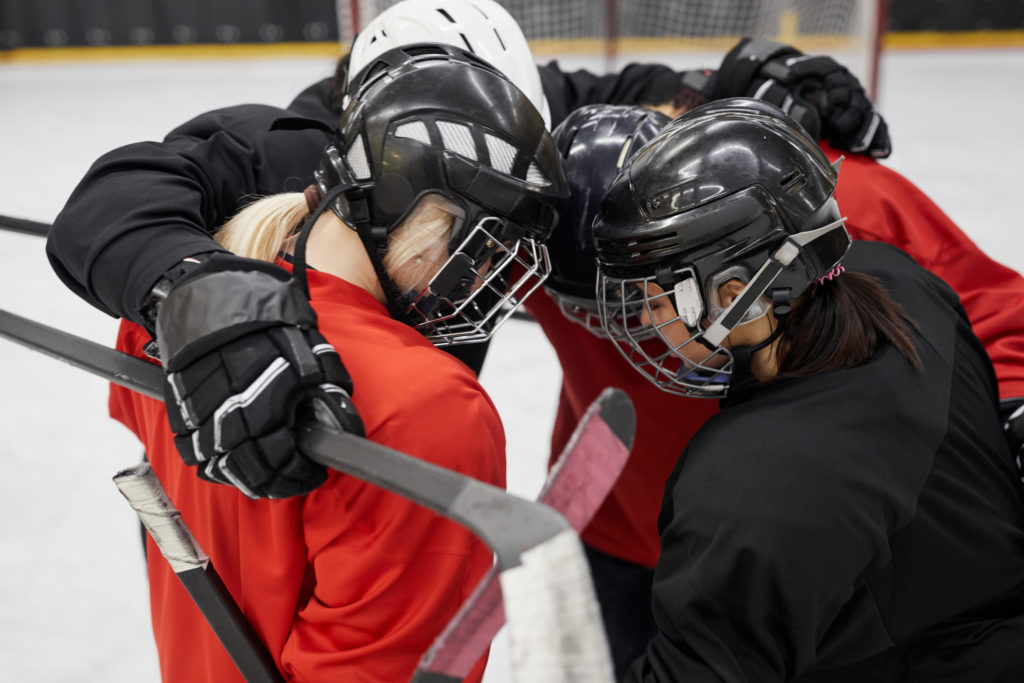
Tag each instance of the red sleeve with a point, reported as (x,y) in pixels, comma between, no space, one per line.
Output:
(883,206)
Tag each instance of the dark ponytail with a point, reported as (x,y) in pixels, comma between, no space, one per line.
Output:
(840,323)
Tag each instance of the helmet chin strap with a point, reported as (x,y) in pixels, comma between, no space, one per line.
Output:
(395,301)
(762,280)
(299,255)
(787,252)
(743,356)
(393,298)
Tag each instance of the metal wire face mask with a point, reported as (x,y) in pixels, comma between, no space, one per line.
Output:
(685,368)
(483,282)
(585,311)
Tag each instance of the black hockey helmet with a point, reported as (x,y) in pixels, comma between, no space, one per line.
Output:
(431,119)
(732,189)
(594,141)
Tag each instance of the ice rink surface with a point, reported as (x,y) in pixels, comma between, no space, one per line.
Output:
(73,603)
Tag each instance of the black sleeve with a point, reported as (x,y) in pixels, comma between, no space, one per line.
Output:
(142,208)
(319,101)
(635,84)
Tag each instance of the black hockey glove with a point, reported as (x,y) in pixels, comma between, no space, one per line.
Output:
(821,94)
(1012,411)
(244,361)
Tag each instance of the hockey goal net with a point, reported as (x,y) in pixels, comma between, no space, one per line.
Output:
(604,35)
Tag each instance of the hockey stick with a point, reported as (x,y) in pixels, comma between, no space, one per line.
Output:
(24,226)
(192,566)
(580,480)
(545,578)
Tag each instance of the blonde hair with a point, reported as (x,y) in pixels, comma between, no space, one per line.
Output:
(419,246)
(416,249)
(259,230)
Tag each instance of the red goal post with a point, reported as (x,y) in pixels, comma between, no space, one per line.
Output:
(604,35)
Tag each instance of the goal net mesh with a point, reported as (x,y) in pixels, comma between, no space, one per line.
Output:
(604,35)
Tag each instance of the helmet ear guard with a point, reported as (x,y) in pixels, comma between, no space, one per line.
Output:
(715,308)
(350,205)
(798,249)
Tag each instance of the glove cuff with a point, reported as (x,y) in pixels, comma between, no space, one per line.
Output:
(223,299)
(742,65)
(171,277)
(1011,410)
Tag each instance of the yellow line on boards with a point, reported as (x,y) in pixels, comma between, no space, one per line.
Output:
(903,40)
(938,40)
(172,52)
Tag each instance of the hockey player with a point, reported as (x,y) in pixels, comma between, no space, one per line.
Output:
(622,540)
(348,582)
(854,512)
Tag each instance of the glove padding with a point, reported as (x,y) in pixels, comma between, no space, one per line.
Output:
(244,363)
(821,94)
(1012,412)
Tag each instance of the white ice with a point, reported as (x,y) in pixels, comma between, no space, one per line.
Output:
(73,603)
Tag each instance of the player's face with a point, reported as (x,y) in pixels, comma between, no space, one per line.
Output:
(660,313)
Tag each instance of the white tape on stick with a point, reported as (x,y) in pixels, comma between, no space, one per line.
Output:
(554,621)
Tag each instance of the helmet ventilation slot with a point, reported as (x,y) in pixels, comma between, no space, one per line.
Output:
(793,182)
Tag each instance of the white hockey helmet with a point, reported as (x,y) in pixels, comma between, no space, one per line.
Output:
(483,27)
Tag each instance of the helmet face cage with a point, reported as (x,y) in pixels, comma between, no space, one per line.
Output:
(685,368)
(483,282)
(585,311)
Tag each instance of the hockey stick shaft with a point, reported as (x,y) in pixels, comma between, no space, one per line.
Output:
(141,487)
(24,226)
(147,497)
(114,366)
(543,561)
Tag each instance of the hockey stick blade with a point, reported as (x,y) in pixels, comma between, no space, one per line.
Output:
(579,482)
(24,226)
(143,491)
(544,567)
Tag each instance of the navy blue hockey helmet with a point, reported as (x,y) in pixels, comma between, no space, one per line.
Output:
(733,189)
(595,141)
